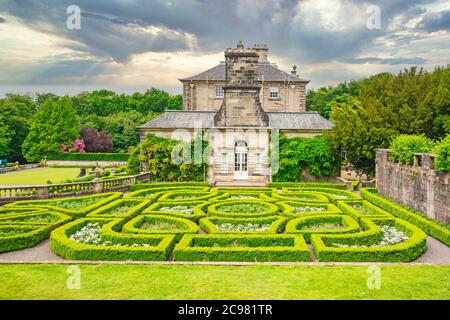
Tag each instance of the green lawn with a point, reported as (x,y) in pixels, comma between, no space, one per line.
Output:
(223,282)
(38,176)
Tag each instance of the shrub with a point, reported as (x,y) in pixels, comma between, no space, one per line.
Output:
(158,224)
(314,154)
(191,210)
(274,224)
(195,195)
(361,251)
(362,209)
(15,237)
(227,196)
(300,185)
(96,141)
(404,146)
(35,218)
(232,247)
(122,208)
(305,225)
(428,225)
(75,207)
(116,246)
(332,194)
(442,150)
(122,157)
(295,209)
(170,185)
(242,209)
(300,196)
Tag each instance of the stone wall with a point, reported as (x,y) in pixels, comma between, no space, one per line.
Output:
(418,186)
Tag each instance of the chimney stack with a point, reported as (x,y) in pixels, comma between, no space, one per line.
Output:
(262,51)
(294,70)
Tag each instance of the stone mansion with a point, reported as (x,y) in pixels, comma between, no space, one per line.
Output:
(241,104)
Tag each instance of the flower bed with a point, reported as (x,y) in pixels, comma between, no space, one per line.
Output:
(158,224)
(362,209)
(120,208)
(243,225)
(322,224)
(191,210)
(428,225)
(75,207)
(301,196)
(177,196)
(215,247)
(295,209)
(333,195)
(371,245)
(226,196)
(99,240)
(242,209)
(155,192)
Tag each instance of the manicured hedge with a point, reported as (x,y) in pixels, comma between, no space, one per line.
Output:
(333,195)
(29,236)
(402,252)
(232,247)
(428,225)
(221,190)
(13,210)
(54,204)
(209,225)
(297,225)
(280,185)
(287,208)
(31,217)
(107,211)
(155,193)
(159,247)
(172,185)
(348,208)
(301,196)
(184,226)
(88,156)
(177,196)
(198,207)
(227,196)
(270,209)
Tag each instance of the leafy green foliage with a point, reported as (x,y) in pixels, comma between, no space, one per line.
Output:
(411,102)
(297,154)
(156,154)
(56,123)
(87,156)
(404,146)
(323,99)
(442,150)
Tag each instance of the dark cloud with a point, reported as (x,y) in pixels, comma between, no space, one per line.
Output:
(435,21)
(392,61)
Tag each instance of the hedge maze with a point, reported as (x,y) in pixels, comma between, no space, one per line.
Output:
(193,222)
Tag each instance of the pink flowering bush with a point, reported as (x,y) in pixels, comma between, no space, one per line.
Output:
(78,146)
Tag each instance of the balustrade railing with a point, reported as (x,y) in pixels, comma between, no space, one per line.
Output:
(29,192)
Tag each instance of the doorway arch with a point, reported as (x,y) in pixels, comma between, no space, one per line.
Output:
(240,160)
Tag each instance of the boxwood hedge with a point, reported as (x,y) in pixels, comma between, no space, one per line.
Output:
(276,224)
(300,196)
(197,207)
(288,208)
(297,185)
(333,195)
(69,205)
(120,209)
(171,185)
(303,225)
(162,225)
(428,225)
(158,247)
(232,247)
(362,251)
(217,209)
(362,209)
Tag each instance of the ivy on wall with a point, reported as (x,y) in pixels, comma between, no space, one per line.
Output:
(157,155)
(313,154)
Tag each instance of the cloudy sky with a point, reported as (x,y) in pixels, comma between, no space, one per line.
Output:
(131,45)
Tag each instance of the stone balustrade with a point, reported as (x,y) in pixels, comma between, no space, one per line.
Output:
(32,192)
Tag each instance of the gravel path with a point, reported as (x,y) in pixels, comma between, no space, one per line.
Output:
(437,253)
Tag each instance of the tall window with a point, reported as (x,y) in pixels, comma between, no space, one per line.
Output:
(273,92)
(219,91)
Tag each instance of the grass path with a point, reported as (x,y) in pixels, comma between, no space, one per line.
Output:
(223,282)
(38,176)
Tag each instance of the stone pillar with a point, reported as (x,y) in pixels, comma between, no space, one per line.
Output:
(98,188)
(42,192)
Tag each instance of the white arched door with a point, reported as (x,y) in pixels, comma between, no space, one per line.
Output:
(240,161)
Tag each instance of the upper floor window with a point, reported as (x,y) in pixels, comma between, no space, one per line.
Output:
(219,91)
(273,92)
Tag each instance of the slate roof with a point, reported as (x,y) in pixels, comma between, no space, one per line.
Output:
(270,72)
(277,120)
